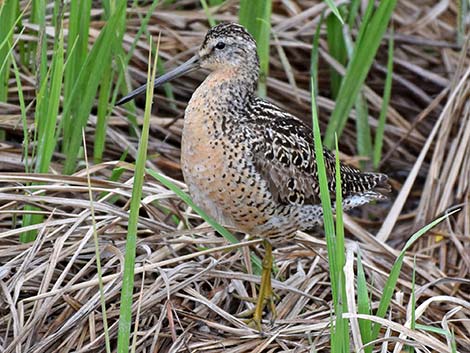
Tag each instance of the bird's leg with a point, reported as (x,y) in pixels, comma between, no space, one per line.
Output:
(265,291)
(269,295)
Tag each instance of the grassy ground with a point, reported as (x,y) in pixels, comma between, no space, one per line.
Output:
(191,287)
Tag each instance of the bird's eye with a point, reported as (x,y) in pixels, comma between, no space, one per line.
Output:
(220,45)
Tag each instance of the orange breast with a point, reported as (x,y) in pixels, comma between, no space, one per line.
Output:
(202,159)
(212,167)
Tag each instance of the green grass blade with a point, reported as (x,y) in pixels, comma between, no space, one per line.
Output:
(379,134)
(23,115)
(328,220)
(6,61)
(389,288)
(108,6)
(353,12)
(337,339)
(79,25)
(462,12)
(413,301)
(433,329)
(364,139)
(102,116)
(365,20)
(104,109)
(363,304)
(257,266)
(6,46)
(337,49)
(207,11)
(453,343)
(123,62)
(87,83)
(97,252)
(335,10)
(358,68)
(125,312)
(8,20)
(38,16)
(314,54)
(47,136)
(256,17)
(341,324)
(47,110)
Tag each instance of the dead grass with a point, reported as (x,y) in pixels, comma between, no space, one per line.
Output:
(191,286)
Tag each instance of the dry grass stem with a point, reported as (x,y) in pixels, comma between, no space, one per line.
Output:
(193,290)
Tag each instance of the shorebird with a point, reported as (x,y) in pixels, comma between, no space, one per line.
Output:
(247,163)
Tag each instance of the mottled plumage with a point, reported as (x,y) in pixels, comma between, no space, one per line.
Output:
(247,162)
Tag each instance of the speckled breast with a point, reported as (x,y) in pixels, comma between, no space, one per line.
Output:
(203,164)
(217,170)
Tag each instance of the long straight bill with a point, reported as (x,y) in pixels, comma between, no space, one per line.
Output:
(190,65)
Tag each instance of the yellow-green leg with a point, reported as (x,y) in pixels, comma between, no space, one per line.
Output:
(265,292)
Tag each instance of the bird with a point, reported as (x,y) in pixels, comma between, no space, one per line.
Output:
(248,163)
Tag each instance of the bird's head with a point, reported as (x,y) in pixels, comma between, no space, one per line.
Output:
(225,46)
(228,45)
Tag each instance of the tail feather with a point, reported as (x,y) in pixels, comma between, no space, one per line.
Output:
(361,183)
(380,183)
(313,214)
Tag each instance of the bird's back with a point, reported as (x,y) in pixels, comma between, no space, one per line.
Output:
(284,153)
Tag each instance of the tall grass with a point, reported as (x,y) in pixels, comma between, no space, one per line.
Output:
(82,73)
(339,331)
(363,304)
(334,233)
(23,114)
(379,134)
(99,269)
(123,62)
(343,49)
(335,10)
(314,56)
(86,80)
(8,16)
(45,118)
(389,287)
(104,108)
(125,312)
(337,49)
(210,18)
(256,17)
(364,137)
(38,50)
(79,26)
(371,31)
(370,34)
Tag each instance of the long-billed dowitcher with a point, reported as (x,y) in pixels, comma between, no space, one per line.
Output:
(248,163)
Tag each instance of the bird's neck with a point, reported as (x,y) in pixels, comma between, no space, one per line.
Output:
(230,87)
